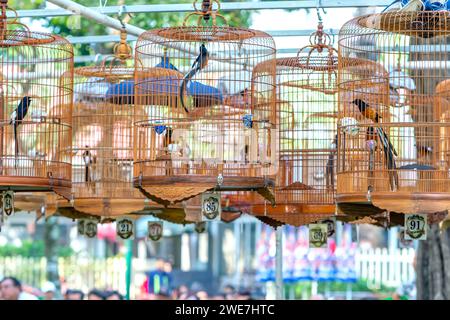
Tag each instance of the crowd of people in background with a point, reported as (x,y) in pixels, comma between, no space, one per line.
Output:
(11,288)
(197,292)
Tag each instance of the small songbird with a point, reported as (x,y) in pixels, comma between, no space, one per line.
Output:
(17,117)
(389,150)
(330,164)
(200,62)
(167,142)
(88,160)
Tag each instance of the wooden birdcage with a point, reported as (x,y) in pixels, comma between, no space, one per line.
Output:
(393,127)
(208,115)
(36,71)
(103,136)
(307,114)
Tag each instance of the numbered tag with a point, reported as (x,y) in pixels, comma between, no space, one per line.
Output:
(154,230)
(318,235)
(8,202)
(90,228)
(211,206)
(80,226)
(331,226)
(200,227)
(125,228)
(416,226)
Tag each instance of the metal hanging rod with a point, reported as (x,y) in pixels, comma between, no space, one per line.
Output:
(115,38)
(225,6)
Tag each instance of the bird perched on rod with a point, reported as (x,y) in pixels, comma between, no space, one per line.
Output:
(88,160)
(17,117)
(389,150)
(330,164)
(200,62)
(168,142)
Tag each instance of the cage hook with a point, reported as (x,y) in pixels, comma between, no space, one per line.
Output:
(121,13)
(206,9)
(122,50)
(319,7)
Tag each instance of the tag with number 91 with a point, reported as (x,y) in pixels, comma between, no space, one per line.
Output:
(416,226)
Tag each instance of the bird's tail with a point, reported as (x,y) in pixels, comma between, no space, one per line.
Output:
(183,85)
(330,166)
(389,156)
(181,94)
(330,172)
(16,145)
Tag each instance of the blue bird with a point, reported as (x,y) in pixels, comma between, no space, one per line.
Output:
(17,117)
(166,64)
(200,62)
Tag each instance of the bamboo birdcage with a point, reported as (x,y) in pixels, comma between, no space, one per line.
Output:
(191,133)
(103,136)
(404,55)
(36,71)
(307,114)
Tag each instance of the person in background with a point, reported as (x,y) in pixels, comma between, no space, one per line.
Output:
(74,295)
(244,295)
(49,291)
(229,292)
(183,292)
(11,289)
(159,279)
(202,295)
(96,294)
(113,295)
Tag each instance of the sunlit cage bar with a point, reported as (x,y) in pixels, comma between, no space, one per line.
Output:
(208,115)
(103,136)
(36,71)
(393,127)
(307,114)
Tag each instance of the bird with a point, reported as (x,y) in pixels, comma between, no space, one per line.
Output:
(88,159)
(389,150)
(330,164)
(17,117)
(167,142)
(200,62)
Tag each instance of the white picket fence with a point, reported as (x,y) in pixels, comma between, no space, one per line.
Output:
(390,268)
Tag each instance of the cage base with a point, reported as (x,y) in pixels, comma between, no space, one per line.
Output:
(270,221)
(398,202)
(108,207)
(170,190)
(295,215)
(32,184)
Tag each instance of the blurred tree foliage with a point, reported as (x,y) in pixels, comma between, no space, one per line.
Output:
(78,26)
(33,249)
